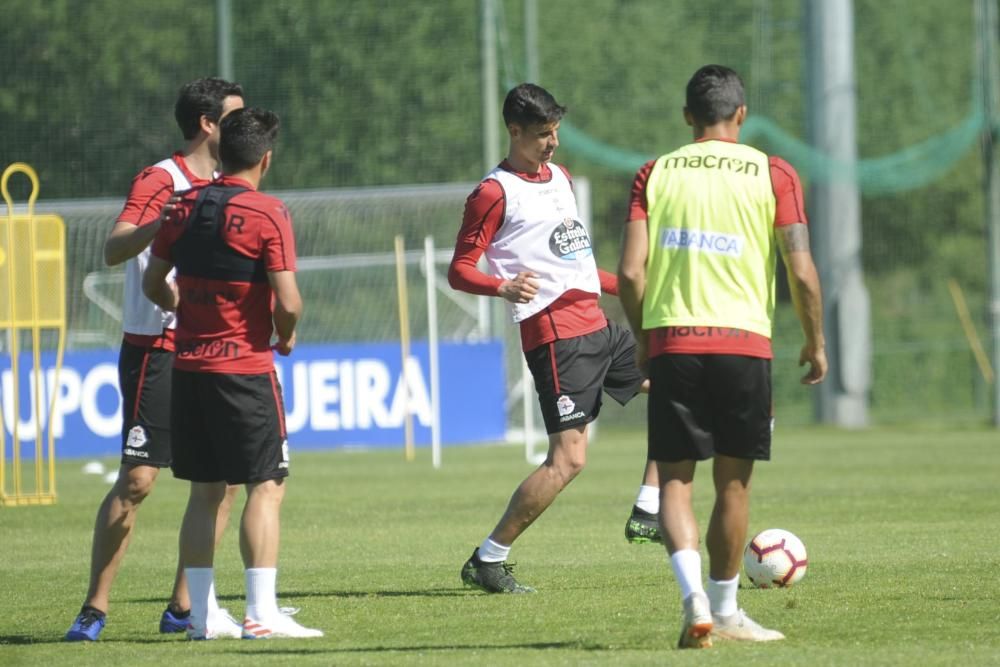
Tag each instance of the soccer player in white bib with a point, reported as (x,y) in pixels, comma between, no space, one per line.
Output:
(523,217)
(146,359)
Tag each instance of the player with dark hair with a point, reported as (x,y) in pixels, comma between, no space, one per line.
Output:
(524,218)
(234,254)
(203,97)
(705,225)
(146,356)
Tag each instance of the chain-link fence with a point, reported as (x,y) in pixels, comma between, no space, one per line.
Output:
(386,93)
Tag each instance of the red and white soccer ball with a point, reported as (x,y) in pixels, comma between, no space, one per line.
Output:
(775,558)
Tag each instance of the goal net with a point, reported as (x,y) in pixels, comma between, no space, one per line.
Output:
(346,273)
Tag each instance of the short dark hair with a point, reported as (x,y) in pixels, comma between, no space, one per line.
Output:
(202,97)
(247,134)
(528,104)
(714,94)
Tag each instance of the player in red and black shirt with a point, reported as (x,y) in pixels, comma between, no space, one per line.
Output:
(146,357)
(224,311)
(234,254)
(523,218)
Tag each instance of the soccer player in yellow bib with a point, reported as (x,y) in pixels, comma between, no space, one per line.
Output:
(696,278)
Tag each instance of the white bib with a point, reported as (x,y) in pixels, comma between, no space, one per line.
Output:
(542,232)
(141,316)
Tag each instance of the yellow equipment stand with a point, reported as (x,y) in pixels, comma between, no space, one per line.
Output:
(32,298)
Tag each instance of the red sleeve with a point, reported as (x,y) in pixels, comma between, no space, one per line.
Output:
(277,239)
(637,201)
(609,282)
(149,192)
(789,205)
(484,213)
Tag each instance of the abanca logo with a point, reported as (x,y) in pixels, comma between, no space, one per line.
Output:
(692,239)
(570,240)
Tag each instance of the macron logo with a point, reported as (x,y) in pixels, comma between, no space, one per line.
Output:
(692,239)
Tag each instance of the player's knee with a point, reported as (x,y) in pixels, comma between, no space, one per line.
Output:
(270,491)
(230,494)
(207,494)
(569,466)
(135,483)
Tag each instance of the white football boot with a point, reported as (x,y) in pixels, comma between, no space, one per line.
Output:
(697,629)
(277,626)
(741,627)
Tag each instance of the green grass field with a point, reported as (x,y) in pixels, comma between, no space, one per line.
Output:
(902,527)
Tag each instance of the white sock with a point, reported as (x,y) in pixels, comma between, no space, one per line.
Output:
(722,595)
(492,552)
(687,569)
(648,499)
(213,603)
(200,586)
(262,598)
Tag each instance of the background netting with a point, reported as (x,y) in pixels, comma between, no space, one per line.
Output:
(385,93)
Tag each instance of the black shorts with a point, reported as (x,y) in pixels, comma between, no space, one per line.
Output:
(228,427)
(570,374)
(701,405)
(144,382)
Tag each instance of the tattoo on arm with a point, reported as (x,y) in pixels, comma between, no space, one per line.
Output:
(793,238)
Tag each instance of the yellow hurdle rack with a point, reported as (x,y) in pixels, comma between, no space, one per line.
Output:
(32,299)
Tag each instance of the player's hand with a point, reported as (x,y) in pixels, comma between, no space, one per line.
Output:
(521,289)
(815,356)
(169,210)
(284,347)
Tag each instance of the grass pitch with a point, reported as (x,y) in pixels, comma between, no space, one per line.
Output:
(902,528)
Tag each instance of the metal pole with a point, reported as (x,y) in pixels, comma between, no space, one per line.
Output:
(531,41)
(835,213)
(491,86)
(224,24)
(432,351)
(987,51)
(409,451)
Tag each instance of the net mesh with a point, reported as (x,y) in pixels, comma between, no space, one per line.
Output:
(346,271)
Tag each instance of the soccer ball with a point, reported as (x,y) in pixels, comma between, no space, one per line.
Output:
(775,557)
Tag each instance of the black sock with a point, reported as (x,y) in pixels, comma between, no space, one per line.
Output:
(94,610)
(179,614)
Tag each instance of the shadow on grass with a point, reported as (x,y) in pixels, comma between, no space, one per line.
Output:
(255,648)
(430,592)
(539,646)
(20,640)
(25,640)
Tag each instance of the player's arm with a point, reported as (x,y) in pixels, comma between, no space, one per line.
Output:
(632,263)
(609,282)
(155,285)
(126,240)
(632,274)
(792,235)
(807,298)
(287,308)
(279,256)
(141,218)
(484,210)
